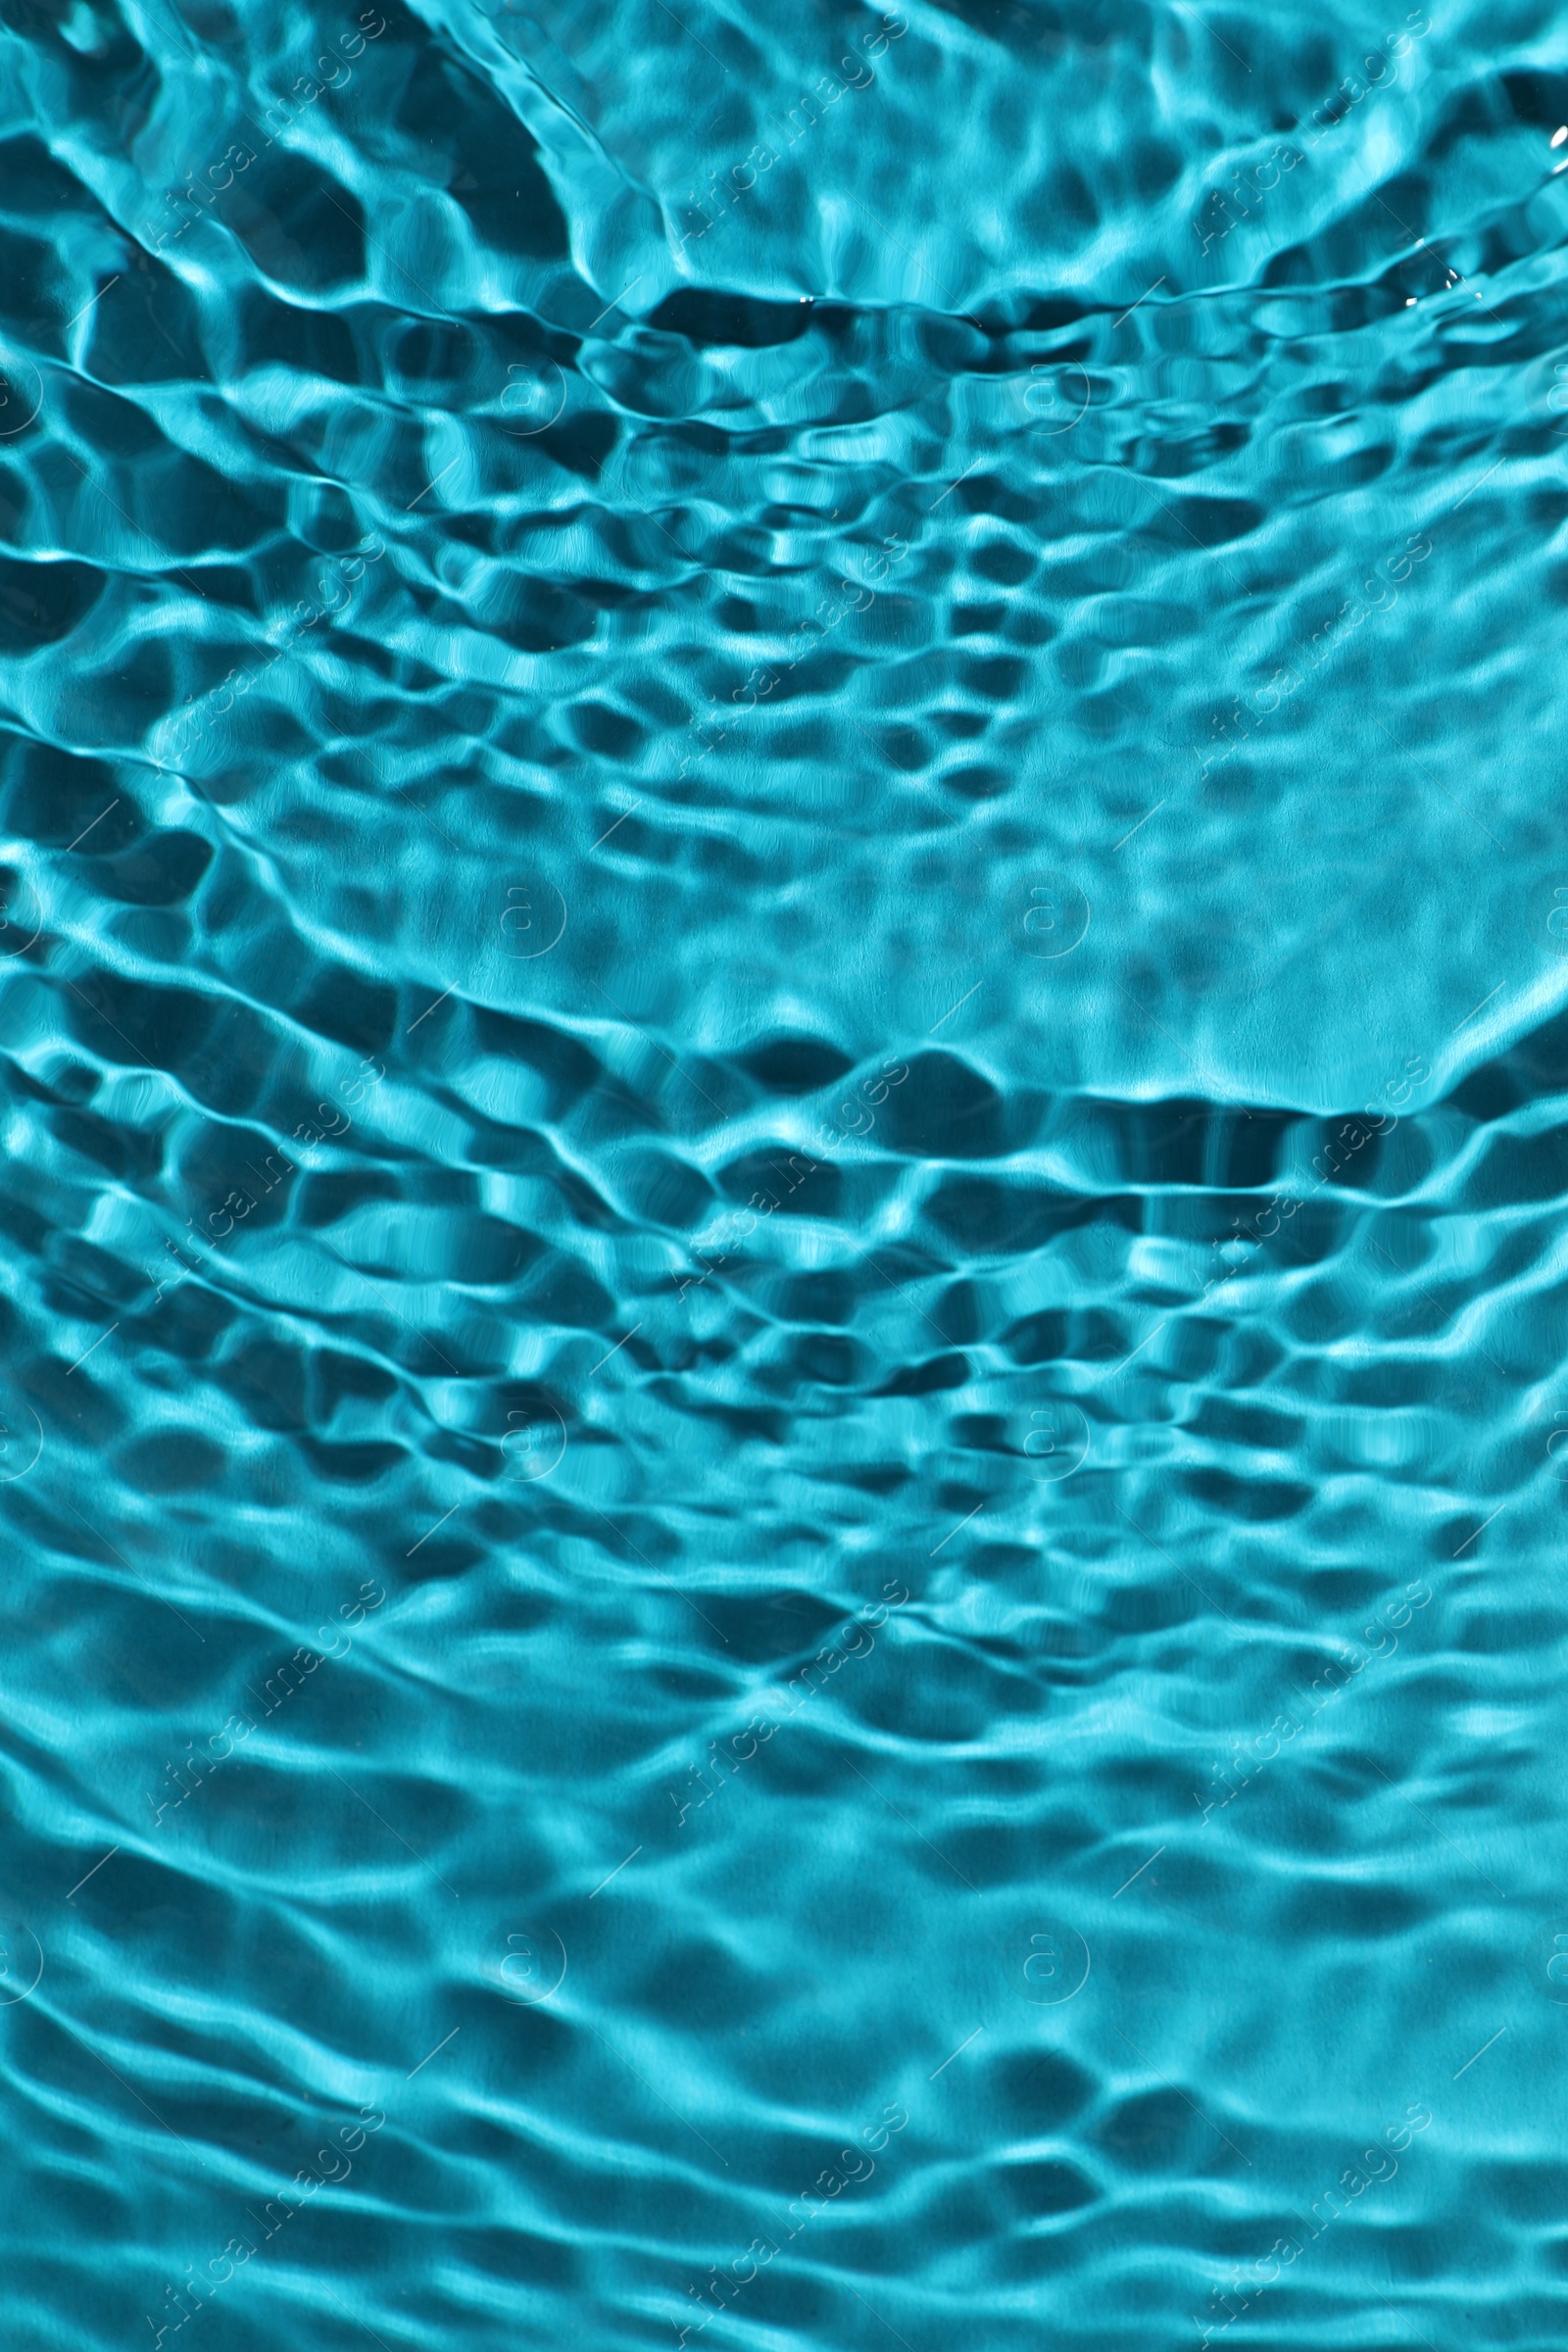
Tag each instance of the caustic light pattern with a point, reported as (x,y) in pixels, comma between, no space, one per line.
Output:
(784,1058)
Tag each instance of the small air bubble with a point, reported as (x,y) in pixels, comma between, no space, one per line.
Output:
(1558,136)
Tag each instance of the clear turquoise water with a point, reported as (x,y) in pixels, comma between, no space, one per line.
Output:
(783,1041)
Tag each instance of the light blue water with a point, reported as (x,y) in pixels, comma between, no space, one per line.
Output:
(783,1023)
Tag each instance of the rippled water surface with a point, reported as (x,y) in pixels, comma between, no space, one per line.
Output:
(783,1041)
